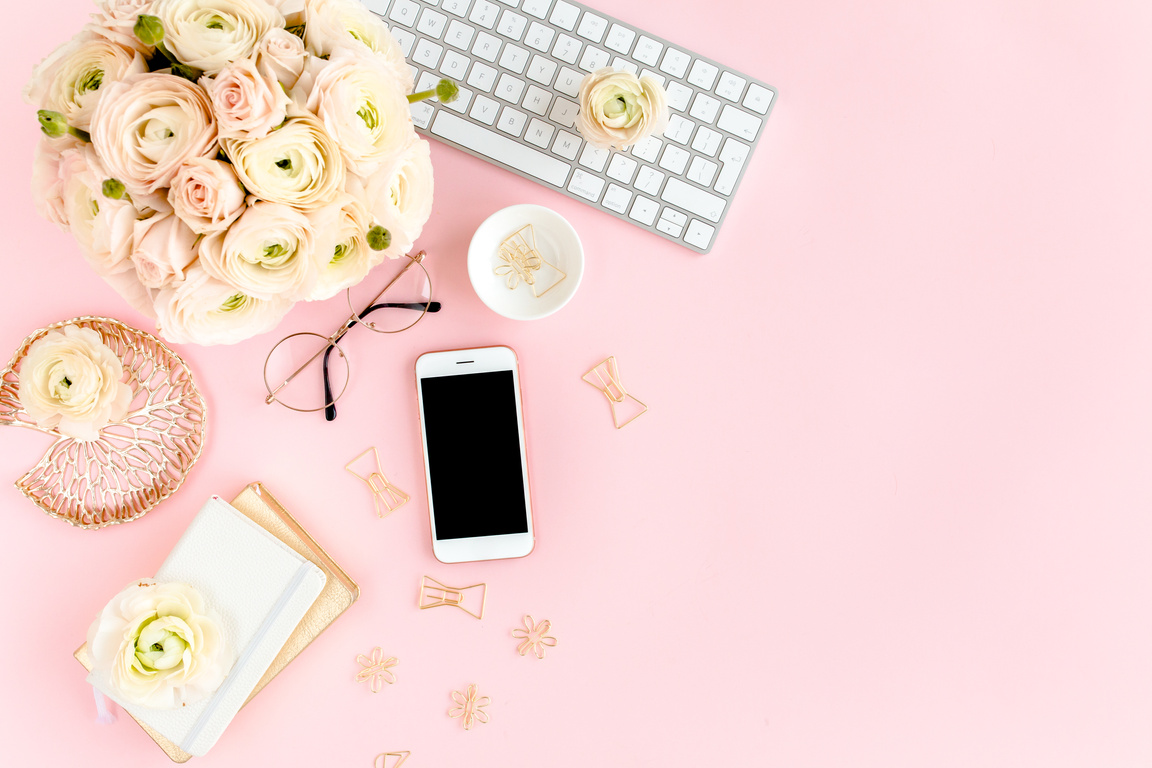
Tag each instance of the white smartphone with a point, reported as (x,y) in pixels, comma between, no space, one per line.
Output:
(472,424)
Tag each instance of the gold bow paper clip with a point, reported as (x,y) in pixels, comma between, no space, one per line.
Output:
(435,594)
(377,669)
(523,263)
(535,637)
(608,382)
(471,707)
(381,760)
(384,494)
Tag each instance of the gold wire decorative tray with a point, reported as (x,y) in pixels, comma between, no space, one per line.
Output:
(136,462)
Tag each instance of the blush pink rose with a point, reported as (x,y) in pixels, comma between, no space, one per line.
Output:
(281,54)
(164,247)
(48,179)
(248,103)
(206,194)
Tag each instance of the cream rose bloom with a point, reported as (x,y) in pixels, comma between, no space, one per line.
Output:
(334,24)
(401,200)
(115,20)
(160,644)
(102,227)
(206,194)
(72,79)
(281,54)
(298,164)
(164,246)
(249,103)
(204,310)
(363,107)
(210,34)
(269,252)
(48,178)
(146,126)
(349,258)
(71,380)
(617,109)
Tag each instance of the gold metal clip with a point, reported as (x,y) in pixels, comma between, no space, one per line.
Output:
(535,637)
(381,760)
(384,493)
(608,382)
(471,707)
(435,594)
(376,669)
(522,262)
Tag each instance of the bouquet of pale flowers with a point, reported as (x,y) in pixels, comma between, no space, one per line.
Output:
(220,160)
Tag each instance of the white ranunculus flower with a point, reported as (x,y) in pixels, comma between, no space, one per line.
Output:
(270,251)
(298,164)
(102,227)
(206,194)
(146,126)
(204,310)
(334,24)
(71,380)
(249,103)
(364,109)
(48,178)
(209,34)
(350,258)
(115,20)
(161,645)
(401,200)
(72,79)
(163,248)
(618,109)
(281,54)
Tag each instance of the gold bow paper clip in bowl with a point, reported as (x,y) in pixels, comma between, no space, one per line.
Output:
(433,594)
(522,262)
(384,493)
(606,378)
(377,669)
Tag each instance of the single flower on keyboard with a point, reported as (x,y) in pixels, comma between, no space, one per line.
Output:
(618,109)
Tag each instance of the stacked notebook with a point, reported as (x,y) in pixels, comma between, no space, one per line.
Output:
(275,590)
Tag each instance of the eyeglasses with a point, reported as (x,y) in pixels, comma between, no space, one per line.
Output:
(312,371)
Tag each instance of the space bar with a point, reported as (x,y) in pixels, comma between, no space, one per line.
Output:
(494,146)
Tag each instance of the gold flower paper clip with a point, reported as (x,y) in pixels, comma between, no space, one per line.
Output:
(608,382)
(381,760)
(523,262)
(535,637)
(384,494)
(433,594)
(376,669)
(471,707)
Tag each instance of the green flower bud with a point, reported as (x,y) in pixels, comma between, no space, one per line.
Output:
(149,29)
(446,91)
(52,123)
(113,189)
(379,238)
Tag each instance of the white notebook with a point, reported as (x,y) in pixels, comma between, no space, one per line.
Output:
(260,588)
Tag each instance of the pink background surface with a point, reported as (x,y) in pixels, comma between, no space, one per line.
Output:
(890,506)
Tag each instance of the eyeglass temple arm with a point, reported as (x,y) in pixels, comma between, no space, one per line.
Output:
(330,409)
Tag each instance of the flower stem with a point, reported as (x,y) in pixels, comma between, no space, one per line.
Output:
(445,92)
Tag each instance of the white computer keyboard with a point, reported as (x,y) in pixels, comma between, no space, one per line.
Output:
(519,64)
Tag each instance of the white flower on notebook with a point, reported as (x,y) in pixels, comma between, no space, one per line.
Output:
(160,645)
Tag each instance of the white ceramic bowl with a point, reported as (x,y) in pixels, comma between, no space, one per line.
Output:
(558,244)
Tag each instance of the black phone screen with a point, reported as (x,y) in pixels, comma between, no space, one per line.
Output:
(475,468)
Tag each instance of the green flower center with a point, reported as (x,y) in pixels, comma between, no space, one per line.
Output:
(234,302)
(90,81)
(370,115)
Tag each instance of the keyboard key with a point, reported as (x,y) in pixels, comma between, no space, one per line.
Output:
(675,62)
(647,51)
(566,145)
(730,86)
(674,216)
(701,171)
(703,74)
(512,121)
(704,108)
(537,100)
(509,88)
(426,82)
(622,167)
(404,39)
(644,210)
(758,99)
(674,159)
(617,198)
(487,46)
(564,15)
(539,36)
(512,25)
(649,180)
(732,156)
(620,39)
(567,49)
(539,133)
(537,8)
(515,58)
(586,185)
(404,12)
(482,77)
(593,59)
(671,222)
(568,83)
(654,75)
(421,113)
(459,35)
(594,158)
(699,234)
(454,66)
(542,70)
(739,123)
(706,141)
(678,96)
(460,103)
(427,53)
(456,7)
(431,23)
(679,130)
(692,199)
(485,110)
(564,113)
(627,66)
(500,148)
(648,148)
(592,27)
(484,13)
(512,3)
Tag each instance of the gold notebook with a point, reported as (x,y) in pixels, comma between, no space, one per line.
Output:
(337,596)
